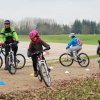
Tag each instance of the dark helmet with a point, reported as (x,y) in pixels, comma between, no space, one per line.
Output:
(7,22)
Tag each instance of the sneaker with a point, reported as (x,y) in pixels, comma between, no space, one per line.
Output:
(79,59)
(35,74)
(71,53)
(49,70)
(5,68)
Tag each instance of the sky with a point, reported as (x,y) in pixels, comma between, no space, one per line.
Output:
(62,11)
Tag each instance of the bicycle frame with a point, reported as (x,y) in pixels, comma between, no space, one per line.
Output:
(73,57)
(1,50)
(41,60)
(11,54)
(43,68)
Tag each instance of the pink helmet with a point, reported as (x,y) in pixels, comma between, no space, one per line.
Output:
(33,34)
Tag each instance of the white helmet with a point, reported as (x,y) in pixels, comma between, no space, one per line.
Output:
(71,34)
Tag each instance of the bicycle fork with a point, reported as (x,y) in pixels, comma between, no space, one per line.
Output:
(11,58)
(45,65)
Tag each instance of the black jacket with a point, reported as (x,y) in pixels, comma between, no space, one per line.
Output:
(37,47)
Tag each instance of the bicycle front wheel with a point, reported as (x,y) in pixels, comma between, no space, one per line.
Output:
(39,73)
(10,66)
(66,60)
(20,61)
(45,74)
(1,61)
(84,60)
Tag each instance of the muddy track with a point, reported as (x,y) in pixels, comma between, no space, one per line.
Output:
(23,81)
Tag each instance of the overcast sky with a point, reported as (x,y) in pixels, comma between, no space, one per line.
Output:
(62,11)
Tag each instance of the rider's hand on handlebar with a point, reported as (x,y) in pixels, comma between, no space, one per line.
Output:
(13,44)
(66,48)
(3,45)
(37,52)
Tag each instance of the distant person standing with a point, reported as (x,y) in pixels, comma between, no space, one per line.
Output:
(9,35)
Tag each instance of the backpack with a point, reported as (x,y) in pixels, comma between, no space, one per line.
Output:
(79,42)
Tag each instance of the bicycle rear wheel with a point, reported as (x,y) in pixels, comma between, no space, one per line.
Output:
(11,67)
(84,60)
(45,74)
(1,61)
(20,61)
(66,60)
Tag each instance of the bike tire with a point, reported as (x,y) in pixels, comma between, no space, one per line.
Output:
(82,63)
(62,59)
(1,61)
(20,61)
(10,66)
(3,51)
(45,74)
(99,65)
(39,73)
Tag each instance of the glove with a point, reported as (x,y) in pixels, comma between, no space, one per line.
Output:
(15,43)
(3,45)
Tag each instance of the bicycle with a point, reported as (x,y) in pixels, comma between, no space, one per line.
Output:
(67,59)
(10,61)
(20,59)
(42,69)
(1,52)
(98,53)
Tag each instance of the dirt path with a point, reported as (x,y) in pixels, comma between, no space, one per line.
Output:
(23,81)
(58,48)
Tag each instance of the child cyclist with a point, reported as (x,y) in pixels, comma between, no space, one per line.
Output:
(36,45)
(73,45)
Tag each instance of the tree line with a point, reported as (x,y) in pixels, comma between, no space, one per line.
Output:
(48,26)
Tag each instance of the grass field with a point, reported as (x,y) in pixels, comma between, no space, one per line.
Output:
(86,39)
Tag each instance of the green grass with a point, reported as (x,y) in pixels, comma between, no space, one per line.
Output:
(23,38)
(74,90)
(86,39)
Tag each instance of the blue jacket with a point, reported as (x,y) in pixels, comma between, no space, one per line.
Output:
(73,42)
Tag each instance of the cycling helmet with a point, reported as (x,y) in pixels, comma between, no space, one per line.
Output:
(7,22)
(33,34)
(71,34)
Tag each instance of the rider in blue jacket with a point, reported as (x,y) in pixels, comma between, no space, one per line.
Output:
(73,44)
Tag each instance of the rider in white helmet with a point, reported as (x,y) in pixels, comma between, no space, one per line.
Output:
(73,44)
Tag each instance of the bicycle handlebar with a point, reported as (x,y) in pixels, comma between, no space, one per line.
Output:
(38,52)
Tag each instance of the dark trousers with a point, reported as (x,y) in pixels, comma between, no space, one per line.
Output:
(7,49)
(34,61)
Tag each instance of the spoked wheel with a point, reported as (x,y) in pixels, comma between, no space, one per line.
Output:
(20,61)
(3,51)
(66,60)
(1,61)
(83,60)
(39,73)
(98,62)
(45,74)
(11,67)
(99,65)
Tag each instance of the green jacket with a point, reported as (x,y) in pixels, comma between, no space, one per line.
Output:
(4,34)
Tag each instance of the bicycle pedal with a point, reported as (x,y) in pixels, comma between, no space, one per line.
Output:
(49,70)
